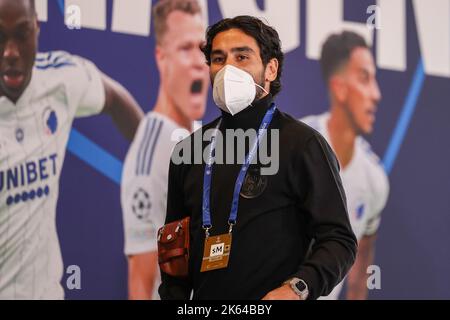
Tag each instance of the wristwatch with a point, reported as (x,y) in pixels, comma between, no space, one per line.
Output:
(299,286)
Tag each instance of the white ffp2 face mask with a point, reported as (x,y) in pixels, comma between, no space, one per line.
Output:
(234,89)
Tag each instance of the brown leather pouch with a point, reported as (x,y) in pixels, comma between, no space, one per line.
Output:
(173,248)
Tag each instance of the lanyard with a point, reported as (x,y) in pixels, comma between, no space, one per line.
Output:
(240,179)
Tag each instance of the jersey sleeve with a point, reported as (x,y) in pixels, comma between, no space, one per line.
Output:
(92,98)
(380,197)
(83,82)
(143,193)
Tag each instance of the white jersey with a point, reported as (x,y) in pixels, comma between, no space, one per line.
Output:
(365,183)
(144,183)
(33,138)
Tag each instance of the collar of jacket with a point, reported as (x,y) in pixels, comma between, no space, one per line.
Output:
(250,117)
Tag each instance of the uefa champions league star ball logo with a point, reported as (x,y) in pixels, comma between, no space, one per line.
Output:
(50,120)
(141,204)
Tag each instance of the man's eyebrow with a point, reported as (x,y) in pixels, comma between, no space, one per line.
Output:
(243,49)
(217,51)
(21,25)
(237,49)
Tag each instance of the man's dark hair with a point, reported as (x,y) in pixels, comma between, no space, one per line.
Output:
(336,51)
(267,38)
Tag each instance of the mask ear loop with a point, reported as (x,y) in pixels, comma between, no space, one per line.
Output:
(261,88)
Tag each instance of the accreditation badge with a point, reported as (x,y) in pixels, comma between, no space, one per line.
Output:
(216,253)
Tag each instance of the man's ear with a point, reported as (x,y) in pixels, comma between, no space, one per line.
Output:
(271,70)
(338,88)
(160,58)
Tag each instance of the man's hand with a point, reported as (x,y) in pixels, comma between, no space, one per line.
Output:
(284,292)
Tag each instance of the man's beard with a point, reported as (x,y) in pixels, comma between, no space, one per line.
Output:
(260,92)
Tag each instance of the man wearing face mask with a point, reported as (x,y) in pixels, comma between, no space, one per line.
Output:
(253,235)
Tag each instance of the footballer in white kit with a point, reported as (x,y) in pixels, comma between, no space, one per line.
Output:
(182,93)
(365,183)
(34,134)
(40,95)
(349,71)
(144,184)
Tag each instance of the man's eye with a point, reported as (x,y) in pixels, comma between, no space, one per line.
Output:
(241,57)
(186,47)
(22,36)
(364,80)
(217,60)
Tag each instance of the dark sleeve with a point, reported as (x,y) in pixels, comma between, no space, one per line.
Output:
(172,288)
(334,243)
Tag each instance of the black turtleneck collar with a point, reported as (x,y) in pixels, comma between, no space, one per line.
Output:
(250,117)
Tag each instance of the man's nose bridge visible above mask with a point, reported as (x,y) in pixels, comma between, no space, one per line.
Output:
(230,61)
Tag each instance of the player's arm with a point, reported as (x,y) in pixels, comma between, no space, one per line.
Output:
(92,92)
(357,277)
(122,107)
(142,272)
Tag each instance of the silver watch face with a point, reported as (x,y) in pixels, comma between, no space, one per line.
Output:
(300,288)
